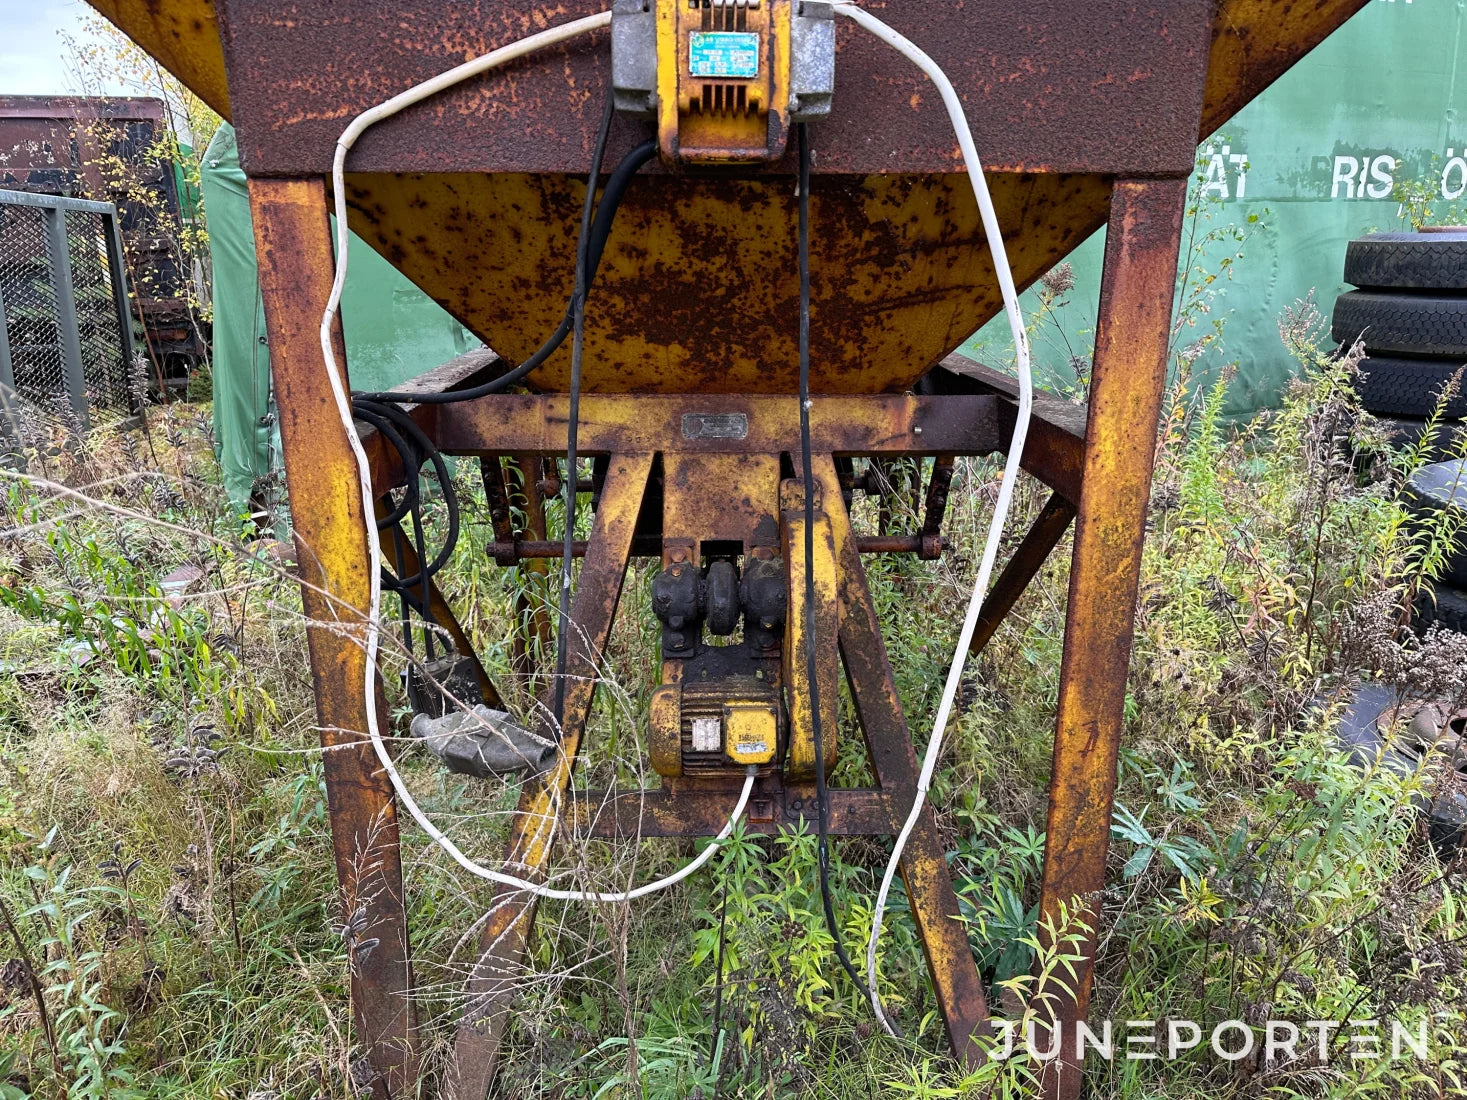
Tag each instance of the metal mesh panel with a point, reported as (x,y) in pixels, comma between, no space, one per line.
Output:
(103,368)
(32,320)
(66,331)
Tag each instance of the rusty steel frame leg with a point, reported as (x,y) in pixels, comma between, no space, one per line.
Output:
(1043,536)
(403,558)
(506,930)
(1126,387)
(532,608)
(292,238)
(955,979)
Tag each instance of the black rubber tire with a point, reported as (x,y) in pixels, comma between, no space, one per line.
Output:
(1420,324)
(1404,431)
(1408,261)
(1409,387)
(1360,738)
(1429,490)
(1446,606)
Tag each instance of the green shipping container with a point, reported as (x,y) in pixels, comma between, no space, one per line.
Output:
(1316,160)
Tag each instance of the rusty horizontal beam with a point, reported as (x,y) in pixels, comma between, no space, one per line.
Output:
(535,424)
(925,546)
(1054,451)
(720,424)
(703,810)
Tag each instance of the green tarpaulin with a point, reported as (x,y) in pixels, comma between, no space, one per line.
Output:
(393,331)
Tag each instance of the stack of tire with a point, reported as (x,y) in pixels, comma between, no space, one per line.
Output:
(1411,311)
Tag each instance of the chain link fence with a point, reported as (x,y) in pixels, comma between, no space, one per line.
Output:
(65,325)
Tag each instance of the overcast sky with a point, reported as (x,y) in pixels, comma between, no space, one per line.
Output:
(31,52)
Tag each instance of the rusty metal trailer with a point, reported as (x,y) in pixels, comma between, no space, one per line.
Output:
(102,148)
(1086,114)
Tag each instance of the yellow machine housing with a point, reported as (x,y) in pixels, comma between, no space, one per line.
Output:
(723,79)
(697,730)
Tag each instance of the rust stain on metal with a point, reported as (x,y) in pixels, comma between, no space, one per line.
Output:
(611,423)
(698,292)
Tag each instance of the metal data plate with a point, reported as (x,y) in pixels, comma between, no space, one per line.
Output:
(715,426)
(732,54)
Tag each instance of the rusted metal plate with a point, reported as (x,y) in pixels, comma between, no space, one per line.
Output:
(293,238)
(724,497)
(698,288)
(183,35)
(1110,86)
(1254,42)
(1125,406)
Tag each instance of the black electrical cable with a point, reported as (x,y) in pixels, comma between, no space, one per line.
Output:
(822,794)
(410,492)
(414,448)
(584,272)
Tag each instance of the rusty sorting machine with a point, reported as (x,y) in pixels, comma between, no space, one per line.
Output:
(1086,114)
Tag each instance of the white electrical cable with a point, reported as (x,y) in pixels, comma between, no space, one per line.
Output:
(993,232)
(492,60)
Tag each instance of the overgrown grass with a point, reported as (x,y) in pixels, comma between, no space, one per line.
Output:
(171,922)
